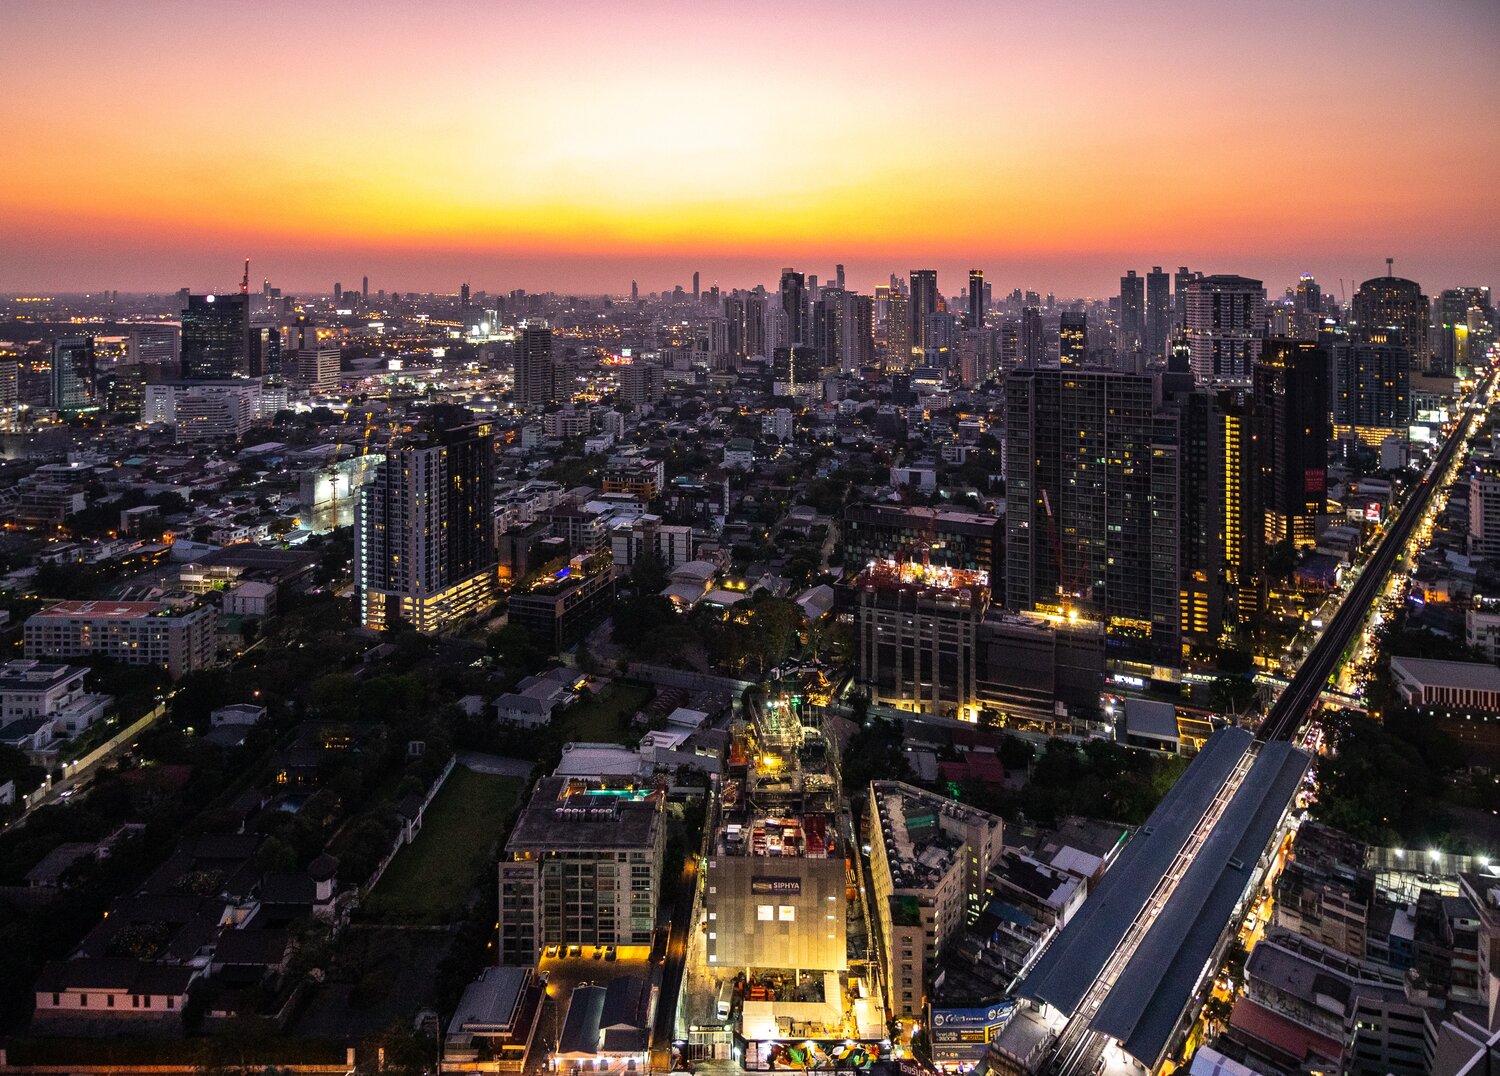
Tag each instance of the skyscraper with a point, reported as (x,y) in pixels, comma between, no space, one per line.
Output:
(1072,338)
(535,370)
(697,295)
(364,289)
(924,302)
(838,275)
(1033,343)
(794,304)
(216,337)
(635,292)
(898,332)
(424,530)
(1158,312)
(73,374)
(1392,302)
(463,296)
(1292,431)
(1307,308)
(976,299)
(1180,281)
(860,327)
(1225,319)
(1092,505)
(1453,308)
(1372,388)
(1132,312)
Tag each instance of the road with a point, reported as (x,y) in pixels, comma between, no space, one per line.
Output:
(674,962)
(1286,717)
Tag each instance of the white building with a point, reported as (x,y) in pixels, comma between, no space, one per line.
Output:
(179,641)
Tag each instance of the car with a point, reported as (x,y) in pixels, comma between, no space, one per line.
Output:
(551,950)
(574,950)
(598,953)
(609,952)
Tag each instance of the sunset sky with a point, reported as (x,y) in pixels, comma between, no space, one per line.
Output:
(572,146)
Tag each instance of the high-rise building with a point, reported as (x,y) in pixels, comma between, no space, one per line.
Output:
(1033,342)
(364,288)
(463,296)
(1180,281)
(1225,319)
(1292,434)
(316,368)
(697,295)
(535,370)
(1390,302)
(1484,507)
(1458,345)
(829,328)
(641,383)
(1158,313)
(216,337)
(794,304)
(1092,512)
(424,531)
(73,375)
(1372,387)
(898,340)
(263,354)
(838,275)
(153,345)
(924,303)
(977,302)
(1072,338)
(797,371)
(757,312)
(860,332)
(1132,312)
(1307,308)
(635,292)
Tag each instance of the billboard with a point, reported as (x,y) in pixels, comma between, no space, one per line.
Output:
(784,887)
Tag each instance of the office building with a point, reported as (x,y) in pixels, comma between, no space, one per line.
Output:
(948,538)
(582,867)
(1072,338)
(794,306)
(1292,434)
(924,303)
(316,368)
(898,332)
(929,860)
(178,641)
(1389,302)
(1484,507)
(263,351)
(1372,388)
(1180,282)
(1092,512)
(1464,328)
(1132,313)
(1158,317)
(424,549)
(1225,320)
(797,371)
(216,337)
(641,383)
(535,384)
(1307,308)
(976,313)
(73,375)
(1033,341)
(153,345)
(859,329)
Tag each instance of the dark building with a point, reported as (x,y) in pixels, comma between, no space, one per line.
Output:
(924,303)
(1132,312)
(1392,302)
(1180,281)
(976,311)
(1292,433)
(1225,327)
(860,326)
(264,354)
(969,540)
(1158,312)
(796,371)
(425,528)
(216,337)
(1072,338)
(794,304)
(1092,511)
(560,611)
(1033,342)
(1372,388)
(535,370)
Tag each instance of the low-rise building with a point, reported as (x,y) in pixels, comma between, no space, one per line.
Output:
(178,641)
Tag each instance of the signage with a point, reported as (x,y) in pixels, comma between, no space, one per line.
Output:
(776,886)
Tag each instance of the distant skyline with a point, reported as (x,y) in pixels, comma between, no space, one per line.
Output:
(154,145)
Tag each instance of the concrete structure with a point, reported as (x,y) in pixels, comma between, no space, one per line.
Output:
(1447,685)
(179,641)
(582,867)
(929,857)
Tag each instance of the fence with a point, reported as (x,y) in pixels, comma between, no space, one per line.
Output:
(401,836)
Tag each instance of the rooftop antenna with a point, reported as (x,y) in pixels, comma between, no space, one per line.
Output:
(1388,270)
(245,280)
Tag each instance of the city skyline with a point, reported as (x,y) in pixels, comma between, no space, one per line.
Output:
(577,152)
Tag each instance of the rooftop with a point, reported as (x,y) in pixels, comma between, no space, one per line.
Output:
(1467,675)
(565,814)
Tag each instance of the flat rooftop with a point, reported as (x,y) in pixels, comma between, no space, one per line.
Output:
(560,817)
(107,609)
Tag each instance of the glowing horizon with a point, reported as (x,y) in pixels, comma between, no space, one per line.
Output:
(157,144)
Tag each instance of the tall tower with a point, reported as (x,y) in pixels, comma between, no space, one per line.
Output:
(898,332)
(696,293)
(635,292)
(975,315)
(1225,325)
(1033,343)
(1180,281)
(216,337)
(1158,312)
(1072,338)
(1292,430)
(924,297)
(535,370)
(1392,302)
(364,288)
(74,374)
(1132,312)
(424,530)
(838,275)
(794,303)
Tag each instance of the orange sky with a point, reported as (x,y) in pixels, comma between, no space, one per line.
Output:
(576,145)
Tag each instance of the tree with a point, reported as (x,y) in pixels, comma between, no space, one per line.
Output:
(648,575)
